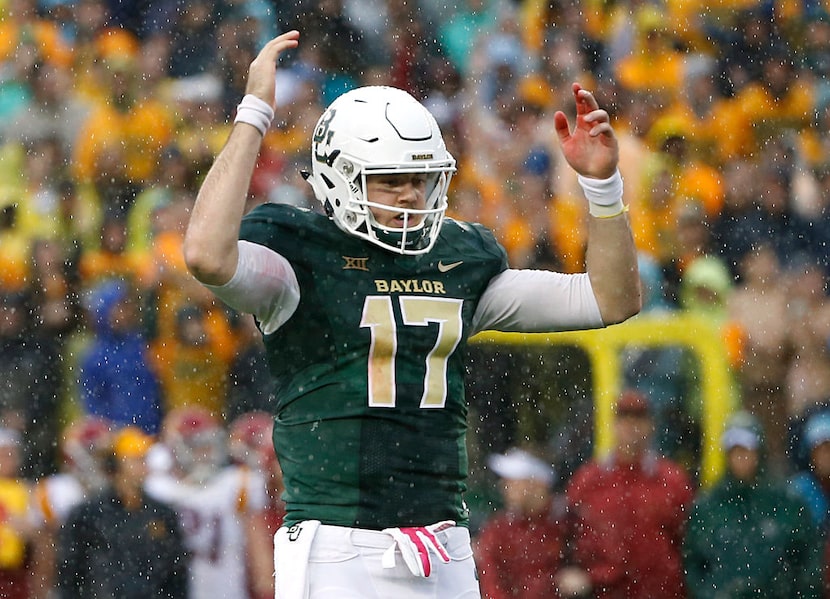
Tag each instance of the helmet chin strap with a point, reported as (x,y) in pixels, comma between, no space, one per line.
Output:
(401,240)
(414,228)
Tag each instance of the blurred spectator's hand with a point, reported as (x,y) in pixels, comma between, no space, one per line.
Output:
(573,582)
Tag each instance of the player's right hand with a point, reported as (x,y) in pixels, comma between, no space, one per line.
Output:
(262,72)
(416,544)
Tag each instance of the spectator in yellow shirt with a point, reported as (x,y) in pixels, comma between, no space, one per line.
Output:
(121,140)
(14,501)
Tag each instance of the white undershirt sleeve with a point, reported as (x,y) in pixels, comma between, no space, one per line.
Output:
(264,285)
(537,301)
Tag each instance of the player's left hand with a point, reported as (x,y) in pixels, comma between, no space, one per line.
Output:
(591,148)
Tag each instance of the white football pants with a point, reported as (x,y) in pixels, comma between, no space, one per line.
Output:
(314,561)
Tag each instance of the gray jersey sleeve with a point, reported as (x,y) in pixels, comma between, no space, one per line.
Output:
(264,285)
(537,301)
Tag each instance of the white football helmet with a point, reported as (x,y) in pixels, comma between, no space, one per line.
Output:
(379,130)
(197,441)
(84,445)
(250,441)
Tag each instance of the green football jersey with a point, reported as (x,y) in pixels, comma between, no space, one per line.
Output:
(370,414)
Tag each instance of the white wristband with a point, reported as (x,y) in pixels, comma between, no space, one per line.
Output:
(604,195)
(254,112)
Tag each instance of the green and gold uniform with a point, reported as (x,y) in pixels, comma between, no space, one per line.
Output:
(370,415)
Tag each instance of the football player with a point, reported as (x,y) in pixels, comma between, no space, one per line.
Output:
(83,447)
(365,310)
(219,504)
(251,446)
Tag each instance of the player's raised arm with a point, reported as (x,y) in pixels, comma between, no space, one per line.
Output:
(210,245)
(591,149)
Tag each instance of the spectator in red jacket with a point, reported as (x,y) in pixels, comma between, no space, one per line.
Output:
(631,509)
(522,549)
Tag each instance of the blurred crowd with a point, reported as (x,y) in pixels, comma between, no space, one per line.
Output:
(112,111)
(634,523)
(188,513)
